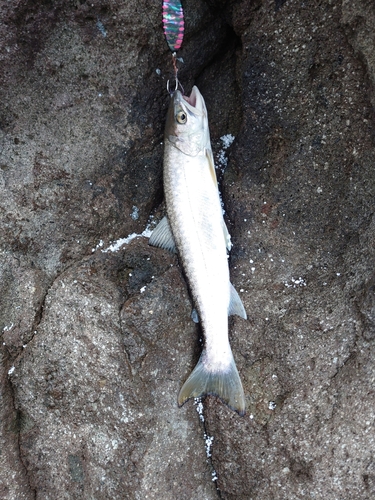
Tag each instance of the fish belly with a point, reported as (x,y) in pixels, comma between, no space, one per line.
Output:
(195,215)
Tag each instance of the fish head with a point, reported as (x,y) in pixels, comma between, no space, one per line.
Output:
(187,123)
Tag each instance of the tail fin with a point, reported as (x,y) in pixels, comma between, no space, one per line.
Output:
(226,385)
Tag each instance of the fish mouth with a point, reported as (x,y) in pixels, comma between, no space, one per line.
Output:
(192,99)
(193,103)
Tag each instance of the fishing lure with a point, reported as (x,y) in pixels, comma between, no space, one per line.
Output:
(173,24)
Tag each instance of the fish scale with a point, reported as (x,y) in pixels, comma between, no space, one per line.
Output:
(196,226)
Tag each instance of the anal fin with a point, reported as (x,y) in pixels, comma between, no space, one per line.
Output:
(235,304)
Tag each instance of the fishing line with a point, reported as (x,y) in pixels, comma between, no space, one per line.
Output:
(173,27)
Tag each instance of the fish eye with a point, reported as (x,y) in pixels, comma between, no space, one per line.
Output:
(181,117)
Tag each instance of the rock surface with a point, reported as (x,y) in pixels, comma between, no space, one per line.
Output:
(96,340)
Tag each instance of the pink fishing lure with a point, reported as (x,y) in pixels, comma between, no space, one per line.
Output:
(173,23)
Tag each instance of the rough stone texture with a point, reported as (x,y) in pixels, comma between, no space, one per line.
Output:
(95,345)
(112,415)
(300,193)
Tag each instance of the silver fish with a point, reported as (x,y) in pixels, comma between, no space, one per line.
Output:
(194,228)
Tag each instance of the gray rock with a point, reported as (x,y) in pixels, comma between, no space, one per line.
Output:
(97,340)
(100,415)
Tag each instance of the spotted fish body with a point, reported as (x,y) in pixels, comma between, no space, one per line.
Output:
(195,228)
(173,23)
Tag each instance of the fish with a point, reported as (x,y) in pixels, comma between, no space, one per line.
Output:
(195,229)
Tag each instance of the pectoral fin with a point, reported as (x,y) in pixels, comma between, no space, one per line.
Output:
(235,304)
(162,236)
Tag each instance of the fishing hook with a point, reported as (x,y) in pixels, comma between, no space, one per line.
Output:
(177,81)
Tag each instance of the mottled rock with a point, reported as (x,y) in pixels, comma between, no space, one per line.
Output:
(100,416)
(97,339)
(299,192)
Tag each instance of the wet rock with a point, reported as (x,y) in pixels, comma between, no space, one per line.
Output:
(96,340)
(299,194)
(358,20)
(111,415)
(13,481)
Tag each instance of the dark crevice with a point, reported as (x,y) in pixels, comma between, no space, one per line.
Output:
(199,402)
(19,419)
(17,426)
(39,313)
(279,4)
(16,352)
(221,89)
